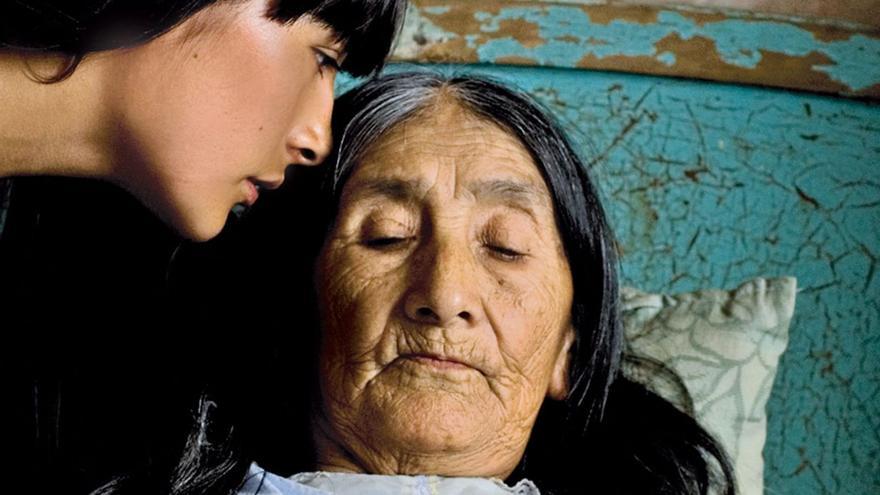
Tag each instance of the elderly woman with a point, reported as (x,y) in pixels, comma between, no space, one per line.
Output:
(467,296)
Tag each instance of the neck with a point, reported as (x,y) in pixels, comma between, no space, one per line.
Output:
(496,460)
(52,128)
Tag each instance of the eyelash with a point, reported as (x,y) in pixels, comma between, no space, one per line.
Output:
(504,253)
(386,243)
(326,62)
(390,243)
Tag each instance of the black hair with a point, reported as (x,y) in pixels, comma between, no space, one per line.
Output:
(366,113)
(610,434)
(75,29)
(600,429)
(367,28)
(92,407)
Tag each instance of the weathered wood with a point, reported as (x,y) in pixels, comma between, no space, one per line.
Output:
(726,46)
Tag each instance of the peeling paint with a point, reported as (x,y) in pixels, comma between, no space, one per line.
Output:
(438,10)
(760,51)
(742,43)
(709,184)
(524,32)
(667,58)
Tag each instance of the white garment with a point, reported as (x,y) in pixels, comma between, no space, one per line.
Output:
(262,482)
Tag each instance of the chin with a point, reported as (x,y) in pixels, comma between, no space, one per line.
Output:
(432,426)
(197,222)
(200,229)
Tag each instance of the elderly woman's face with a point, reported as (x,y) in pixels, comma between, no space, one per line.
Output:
(445,297)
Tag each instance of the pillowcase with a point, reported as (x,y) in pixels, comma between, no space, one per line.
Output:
(725,348)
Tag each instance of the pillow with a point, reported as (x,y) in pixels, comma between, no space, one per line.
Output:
(725,347)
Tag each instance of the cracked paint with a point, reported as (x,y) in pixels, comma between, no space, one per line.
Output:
(708,185)
(791,194)
(758,50)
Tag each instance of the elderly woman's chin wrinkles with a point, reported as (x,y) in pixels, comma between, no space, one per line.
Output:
(417,415)
(445,299)
(419,445)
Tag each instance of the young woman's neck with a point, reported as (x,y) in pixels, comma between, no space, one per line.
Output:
(53,128)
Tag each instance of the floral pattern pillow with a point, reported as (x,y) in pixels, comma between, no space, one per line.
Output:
(725,347)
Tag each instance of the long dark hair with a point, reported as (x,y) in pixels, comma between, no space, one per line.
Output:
(76,29)
(103,391)
(611,434)
(601,427)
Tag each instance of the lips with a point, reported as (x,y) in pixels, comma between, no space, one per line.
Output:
(255,185)
(252,193)
(436,361)
(267,183)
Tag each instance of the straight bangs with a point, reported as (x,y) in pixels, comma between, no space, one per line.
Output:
(367,28)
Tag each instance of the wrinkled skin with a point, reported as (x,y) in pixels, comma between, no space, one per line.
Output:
(445,297)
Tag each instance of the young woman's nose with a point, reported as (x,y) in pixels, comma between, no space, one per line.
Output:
(443,287)
(310,139)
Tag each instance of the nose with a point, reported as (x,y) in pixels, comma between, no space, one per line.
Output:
(310,138)
(443,288)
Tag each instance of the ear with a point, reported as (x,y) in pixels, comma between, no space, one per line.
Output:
(558,388)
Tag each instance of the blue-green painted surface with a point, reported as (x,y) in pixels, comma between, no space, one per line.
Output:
(567,34)
(708,185)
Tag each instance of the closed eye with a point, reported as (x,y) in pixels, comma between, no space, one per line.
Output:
(504,253)
(326,61)
(386,242)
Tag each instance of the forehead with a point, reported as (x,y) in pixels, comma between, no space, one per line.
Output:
(446,137)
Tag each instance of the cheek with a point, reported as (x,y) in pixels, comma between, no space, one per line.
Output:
(268,76)
(234,96)
(530,312)
(356,301)
(254,90)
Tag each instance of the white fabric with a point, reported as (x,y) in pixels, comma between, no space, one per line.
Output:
(725,346)
(261,482)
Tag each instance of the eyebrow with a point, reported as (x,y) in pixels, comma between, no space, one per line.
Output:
(519,195)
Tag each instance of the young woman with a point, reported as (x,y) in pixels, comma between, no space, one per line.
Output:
(192,106)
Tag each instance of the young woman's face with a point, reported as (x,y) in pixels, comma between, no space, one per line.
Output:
(217,108)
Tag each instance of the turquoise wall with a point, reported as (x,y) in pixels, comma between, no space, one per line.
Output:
(708,185)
